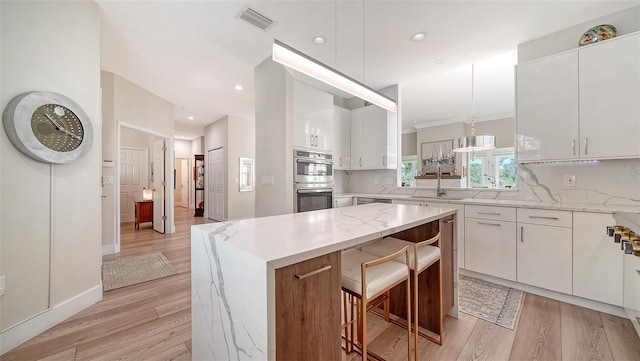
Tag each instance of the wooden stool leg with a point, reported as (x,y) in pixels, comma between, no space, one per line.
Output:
(415,313)
(408,318)
(386,305)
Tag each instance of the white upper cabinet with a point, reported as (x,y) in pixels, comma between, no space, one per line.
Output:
(341,138)
(547,108)
(312,118)
(610,99)
(580,104)
(374,138)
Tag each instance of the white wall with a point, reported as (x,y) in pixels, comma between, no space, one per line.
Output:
(274,138)
(125,102)
(409,144)
(50,215)
(241,144)
(237,137)
(626,22)
(182,148)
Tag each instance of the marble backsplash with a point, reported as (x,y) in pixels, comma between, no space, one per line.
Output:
(599,182)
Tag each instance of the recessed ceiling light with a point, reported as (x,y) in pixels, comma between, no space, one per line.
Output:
(419,36)
(439,61)
(319,40)
(238,87)
(190,118)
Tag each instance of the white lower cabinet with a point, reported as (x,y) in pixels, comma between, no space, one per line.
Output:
(631,282)
(544,257)
(490,244)
(597,259)
(342,202)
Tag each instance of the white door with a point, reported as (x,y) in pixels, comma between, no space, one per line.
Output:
(159,183)
(215,185)
(374,138)
(133,178)
(184,183)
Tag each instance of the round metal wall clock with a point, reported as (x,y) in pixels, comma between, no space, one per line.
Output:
(48,127)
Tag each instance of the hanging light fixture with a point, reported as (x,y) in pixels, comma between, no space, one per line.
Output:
(475,143)
(305,64)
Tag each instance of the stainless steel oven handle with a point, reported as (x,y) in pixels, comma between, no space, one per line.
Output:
(313,161)
(321,190)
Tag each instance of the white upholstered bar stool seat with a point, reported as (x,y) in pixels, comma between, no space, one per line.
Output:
(365,278)
(427,255)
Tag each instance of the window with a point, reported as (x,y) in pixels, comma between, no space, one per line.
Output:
(409,170)
(493,169)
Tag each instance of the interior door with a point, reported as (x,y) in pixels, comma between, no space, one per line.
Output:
(215,184)
(159,184)
(133,177)
(184,183)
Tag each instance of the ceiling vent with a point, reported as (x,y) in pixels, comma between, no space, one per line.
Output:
(255,18)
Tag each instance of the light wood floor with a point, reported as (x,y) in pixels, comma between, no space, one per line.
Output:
(151,321)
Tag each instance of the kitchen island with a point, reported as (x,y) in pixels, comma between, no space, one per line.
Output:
(269,288)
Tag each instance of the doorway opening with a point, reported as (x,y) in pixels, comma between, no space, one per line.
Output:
(144,193)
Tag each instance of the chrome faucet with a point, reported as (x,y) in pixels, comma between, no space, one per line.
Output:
(439,190)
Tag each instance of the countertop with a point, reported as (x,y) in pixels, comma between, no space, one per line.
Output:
(566,206)
(290,238)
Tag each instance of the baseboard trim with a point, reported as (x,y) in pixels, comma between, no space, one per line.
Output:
(22,332)
(634,316)
(108,249)
(574,300)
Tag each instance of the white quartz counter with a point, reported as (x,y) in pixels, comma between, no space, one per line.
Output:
(290,238)
(233,269)
(565,206)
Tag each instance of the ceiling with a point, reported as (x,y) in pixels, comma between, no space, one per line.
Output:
(193,53)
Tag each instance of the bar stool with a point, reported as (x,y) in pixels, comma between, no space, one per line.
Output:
(422,254)
(369,278)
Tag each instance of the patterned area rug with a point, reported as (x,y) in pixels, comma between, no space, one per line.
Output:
(129,271)
(494,303)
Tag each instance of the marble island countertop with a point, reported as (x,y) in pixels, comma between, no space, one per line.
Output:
(290,238)
(567,206)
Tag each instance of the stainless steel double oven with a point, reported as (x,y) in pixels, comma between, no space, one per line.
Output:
(313,180)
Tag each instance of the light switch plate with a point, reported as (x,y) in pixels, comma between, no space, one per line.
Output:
(376,180)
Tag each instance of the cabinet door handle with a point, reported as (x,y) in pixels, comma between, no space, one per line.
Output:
(522,234)
(573,146)
(384,161)
(324,267)
(544,217)
(586,146)
(341,161)
(490,224)
(449,221)
(490,213)
(361,162)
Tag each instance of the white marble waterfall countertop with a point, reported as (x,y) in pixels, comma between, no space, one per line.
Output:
(566,206)
(290,238)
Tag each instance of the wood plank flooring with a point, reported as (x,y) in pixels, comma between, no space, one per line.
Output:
(152,321)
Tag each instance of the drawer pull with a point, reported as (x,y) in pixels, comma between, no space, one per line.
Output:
(544,217)
(449,221)
(325,267)
(490,224)
(521,234)
(490,213)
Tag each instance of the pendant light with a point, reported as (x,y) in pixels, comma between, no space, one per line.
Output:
(475,143)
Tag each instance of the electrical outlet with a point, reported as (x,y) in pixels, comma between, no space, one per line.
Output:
(376,180)
(2,285)
(569,180)
(388,181)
